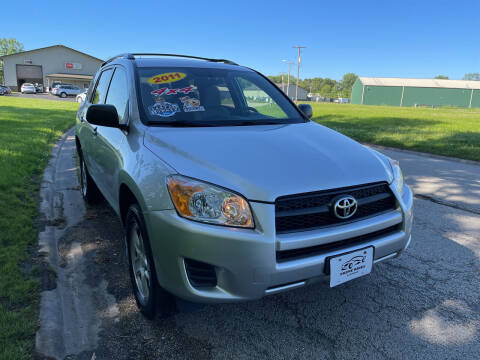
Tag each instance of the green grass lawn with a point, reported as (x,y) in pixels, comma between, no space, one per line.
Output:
(28,129)
(444,131)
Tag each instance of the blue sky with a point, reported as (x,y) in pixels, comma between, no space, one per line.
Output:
(371,38)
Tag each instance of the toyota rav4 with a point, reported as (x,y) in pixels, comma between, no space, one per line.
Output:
(226,189)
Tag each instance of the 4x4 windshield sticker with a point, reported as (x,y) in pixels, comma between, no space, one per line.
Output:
(167,78)
(163,108)
(167,91)
(191,104)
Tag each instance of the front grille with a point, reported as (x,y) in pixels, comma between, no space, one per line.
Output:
(200,274)
(314,210)
(294,254)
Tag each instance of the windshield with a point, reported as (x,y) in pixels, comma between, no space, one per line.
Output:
(211,97)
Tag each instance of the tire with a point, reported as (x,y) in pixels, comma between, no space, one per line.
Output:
(63,95)
(89,190)
(150,297)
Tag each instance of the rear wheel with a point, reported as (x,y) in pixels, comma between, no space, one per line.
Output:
(149,295)
(63,95)
(90,192)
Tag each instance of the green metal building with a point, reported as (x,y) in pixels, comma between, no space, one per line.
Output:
(416,92)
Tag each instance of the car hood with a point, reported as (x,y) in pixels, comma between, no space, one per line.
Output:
(264,162)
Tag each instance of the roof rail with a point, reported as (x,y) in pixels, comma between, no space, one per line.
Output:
(130,56)
(123,56)
(188,56)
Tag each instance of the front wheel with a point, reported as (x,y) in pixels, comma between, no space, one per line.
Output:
(89,189)
(148,294)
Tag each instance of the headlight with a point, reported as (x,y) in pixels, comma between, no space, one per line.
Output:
(397,176)
(208,203)
(393,169)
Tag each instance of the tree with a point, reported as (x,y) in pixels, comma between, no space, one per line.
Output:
(347,83)
(325,90)
(7,47)
(442,77)
(324,86)
(472,76)
(348,80)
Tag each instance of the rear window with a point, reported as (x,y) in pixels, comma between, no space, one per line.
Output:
(206,96)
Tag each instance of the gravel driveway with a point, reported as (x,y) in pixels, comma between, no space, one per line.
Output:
(423,305)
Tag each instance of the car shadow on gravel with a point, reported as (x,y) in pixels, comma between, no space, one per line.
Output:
(413,307)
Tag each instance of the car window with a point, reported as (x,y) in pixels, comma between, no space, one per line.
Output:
(101,88)
(258,99)
(118,92)
(212,96)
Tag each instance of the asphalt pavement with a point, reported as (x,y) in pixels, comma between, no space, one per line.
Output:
(422,305)
(43,96)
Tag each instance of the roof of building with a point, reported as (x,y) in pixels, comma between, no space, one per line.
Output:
(47,47)
(71,76)
(429,83)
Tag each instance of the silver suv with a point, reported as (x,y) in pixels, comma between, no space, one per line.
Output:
(64,90)
(227,191)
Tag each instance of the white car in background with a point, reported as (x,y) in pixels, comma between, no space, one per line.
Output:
(80,98)
(28,88)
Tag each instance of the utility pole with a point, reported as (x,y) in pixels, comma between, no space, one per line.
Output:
(283,86)
(298,69)
(289,68)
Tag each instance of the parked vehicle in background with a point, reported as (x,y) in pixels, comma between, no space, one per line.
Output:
(81,97)
(63,90)
(38,87)
(5,90)
(54,85)
(224,198)
(27,88)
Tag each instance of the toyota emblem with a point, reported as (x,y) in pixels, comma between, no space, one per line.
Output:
(345,207)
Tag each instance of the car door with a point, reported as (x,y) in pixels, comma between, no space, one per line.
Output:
(75,90)
(108,140)
(88,132)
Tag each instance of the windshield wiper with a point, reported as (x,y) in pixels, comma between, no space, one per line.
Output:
(256,122)
(182,123)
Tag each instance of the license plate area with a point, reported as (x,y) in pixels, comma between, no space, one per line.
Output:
(351,265)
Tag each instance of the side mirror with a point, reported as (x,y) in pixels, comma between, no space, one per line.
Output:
(103,115)
(306,109)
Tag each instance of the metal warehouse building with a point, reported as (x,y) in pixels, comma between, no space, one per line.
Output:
(57,63)
(416,92)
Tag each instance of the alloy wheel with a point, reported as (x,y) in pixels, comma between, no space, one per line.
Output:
(83,177)
(139,263)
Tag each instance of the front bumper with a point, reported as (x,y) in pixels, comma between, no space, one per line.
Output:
(245,260)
